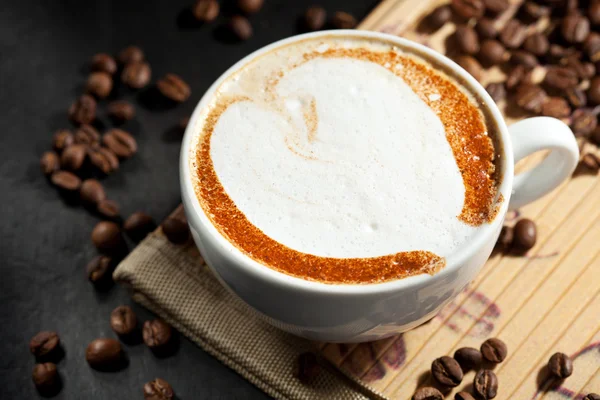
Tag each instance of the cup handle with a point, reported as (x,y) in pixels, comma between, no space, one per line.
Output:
(542,133)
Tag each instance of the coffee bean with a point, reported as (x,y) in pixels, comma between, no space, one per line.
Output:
(250,6)
(571,6)
(103,159)
(92,192)
(447,371)
(468,9)
(560,365)
(583,121)
(466,39)
(486,384)
(136,75)
(138,225)
(107,237)
(530,97)
(131,54)
(99,269)
(44,343)
(592,396)
(99,84)
(525,237)
(44,375)
(524,58)
(103,62)
(593,92)
(556,107)
(495,7)
(308,367)
(492,52)
(428,393)
(470,65)
(83,110)
(468,358)
(494,349)
(533,11)
(575,28)
(175,230)
(62,139)
(120,111)
(121,143)
(49,162)
(174,88)
(123,320)
(513,34)
(576,97)
(73,157)
(343,20)
(108,209)
(537,44)
(463,396)
(158,389)
(593,13)
(438,17)
(206,10)
(240,27)
(315,18)
(561,78)
(103,353)
(87,134)
(156,333)
(65,181)
(591,46)
(515,77)
(496,90)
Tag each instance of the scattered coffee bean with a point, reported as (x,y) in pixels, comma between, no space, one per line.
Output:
(592,396)
(560,365)
(537,44)
(533,11)
(108,209)
(494,349)
(505,239)
(428,393)
(576,97)
(492,52)
(103,353)
(123,320)
(156,333)
(183,123)
(103,62)
(468,358)
(575,28)
(121,143)
(343,20)
(513,34)
(240,27)
(99,84)
(471,65)
(315,18)
(107,237)
(463,396)
(66,181)
(44,343)
(174,88)
(131,54)
(447,371)
(308,367)
(138,225)
(206,10)
(158,389)
(515,77)
(120,111)
(495,7)
(99,269)
(466,39)
(556,107)
(530,97)
(83,110)
(73,157)
(103,159)
(468,9)
(525,236)
(438,17)
(593,92)
(524,58)
(87,134)
(49,162)
(591,46)
(92,192)
(45,375)
(486,384)
(175,230)
(583,121)
(496,90)
(250,6)
(62,139)
(136,74)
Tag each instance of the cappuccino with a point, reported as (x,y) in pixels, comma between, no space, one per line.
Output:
(346,160)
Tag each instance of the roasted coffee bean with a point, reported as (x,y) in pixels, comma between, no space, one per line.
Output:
(120,111)
(575,28)
(537,44)
(138,225)
(104,159)
(593,13)
(471,65)
(524,58)
(591,161)
(593,92)
(560,365)
(556,53)
(83,110)
(158,389)
(591,46)
(486,384)
(103,353)
(515,77)
(45,375)
(62,139)
(108,209)
(494,349)
(496,90)
(492,52)
(438,17)
(533,11)
(576,97)
(87,134)
(49,162)
(505,240)
(343,20)
(468,9)
(99,84)
(466,39)
(250,6)
(525,236)
(570,6)
(123,320)
(206,10)
(591,396)
(583,121)
(582,70)
(530,97)
(556,107)
(156,333)
(240,27)
(447,371)
(103,62)
(131,54)
(44,343)
(92,192)
(468,358)
(136,75)
(428,393)
(561,78)
(73,157)
(315,18)
(66,181)
(463,396)
(513,34)
(99,269)
(121,143)
(495,7)
(486,29)
(107,237)
(175,230)
(308,367)
(174,88)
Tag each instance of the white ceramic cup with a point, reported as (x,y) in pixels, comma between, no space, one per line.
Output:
(355,313)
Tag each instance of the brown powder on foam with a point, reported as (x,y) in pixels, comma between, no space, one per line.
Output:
(472,149)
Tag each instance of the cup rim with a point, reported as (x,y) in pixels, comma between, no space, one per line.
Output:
(198,219)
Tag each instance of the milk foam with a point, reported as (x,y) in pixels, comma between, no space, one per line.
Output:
(338,157)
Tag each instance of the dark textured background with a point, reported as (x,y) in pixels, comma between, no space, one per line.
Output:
(44,243)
